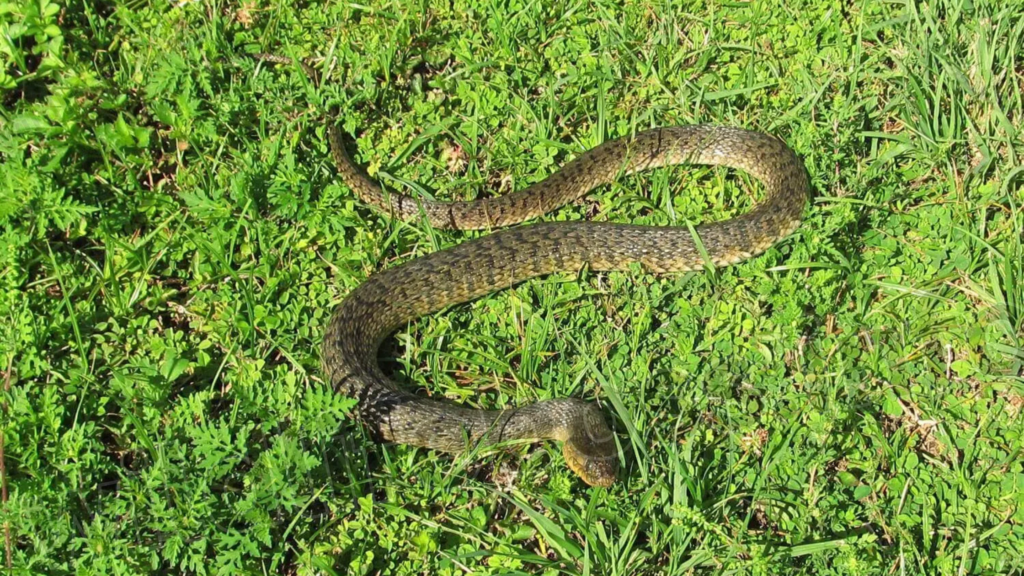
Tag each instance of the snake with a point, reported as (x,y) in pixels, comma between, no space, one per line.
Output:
(394,297)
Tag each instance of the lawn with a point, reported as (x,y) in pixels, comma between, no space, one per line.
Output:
(175,237)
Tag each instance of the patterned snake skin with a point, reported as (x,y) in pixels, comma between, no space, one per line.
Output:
(394,297)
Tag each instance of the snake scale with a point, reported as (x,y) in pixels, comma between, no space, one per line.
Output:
(392,298)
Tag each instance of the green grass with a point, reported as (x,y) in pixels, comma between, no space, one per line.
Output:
(175,238)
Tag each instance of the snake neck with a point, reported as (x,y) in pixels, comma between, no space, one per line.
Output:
(399,416)
(396,416)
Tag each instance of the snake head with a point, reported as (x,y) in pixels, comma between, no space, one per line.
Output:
(590,449)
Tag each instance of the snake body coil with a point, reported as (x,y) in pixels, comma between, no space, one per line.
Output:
(388,300)
(392,298)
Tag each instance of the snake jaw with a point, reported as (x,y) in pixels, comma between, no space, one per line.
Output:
(590,449)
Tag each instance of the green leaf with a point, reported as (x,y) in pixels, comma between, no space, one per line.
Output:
(847,479)
(891,404)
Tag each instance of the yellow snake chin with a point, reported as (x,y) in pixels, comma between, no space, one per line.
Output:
(598,470)
(590,449)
